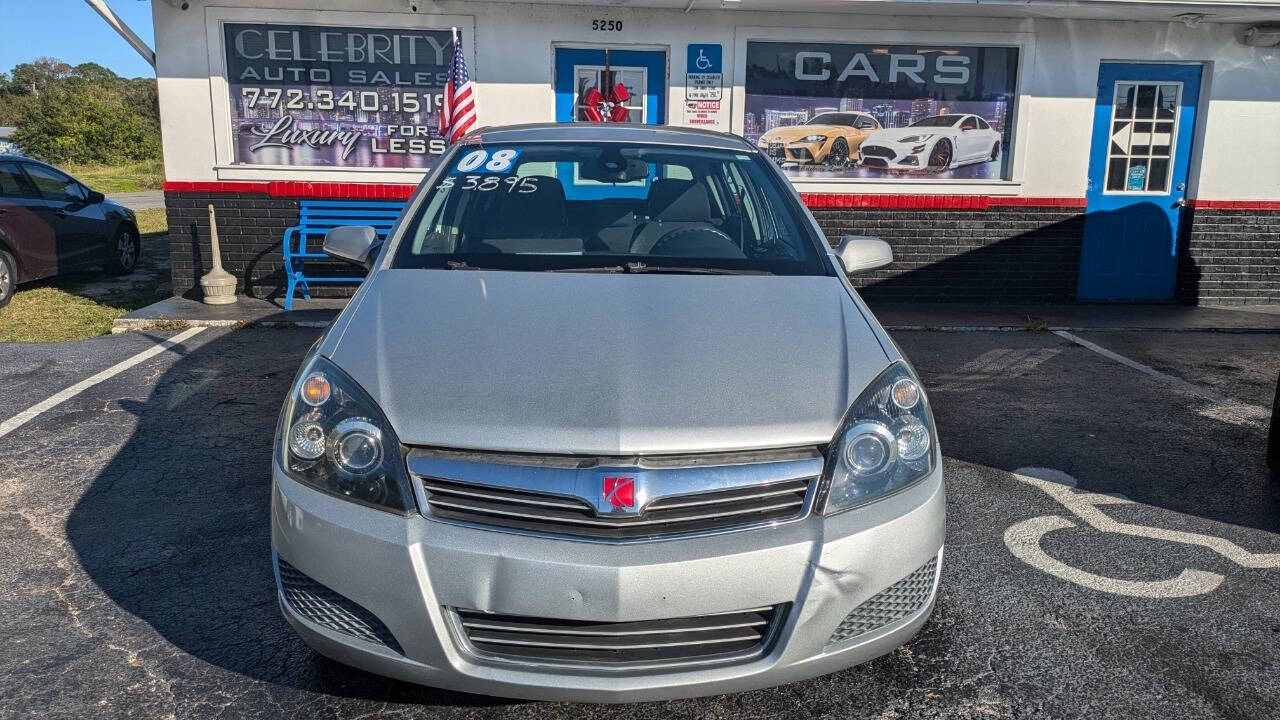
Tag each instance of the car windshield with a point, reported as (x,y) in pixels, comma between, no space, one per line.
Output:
(936,121)
(834,119)
(609,207)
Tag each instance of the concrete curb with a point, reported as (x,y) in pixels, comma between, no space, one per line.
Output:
(1079,328)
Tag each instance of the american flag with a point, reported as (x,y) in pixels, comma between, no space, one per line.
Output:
(458,108)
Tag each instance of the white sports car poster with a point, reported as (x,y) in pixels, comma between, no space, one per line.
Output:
(873,111)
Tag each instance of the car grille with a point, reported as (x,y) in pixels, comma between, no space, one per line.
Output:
(560,514)
(327,608)
(799,154)
(876,151)
(704,638)
(899,600)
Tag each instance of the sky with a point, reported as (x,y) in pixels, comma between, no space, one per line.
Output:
(70,30)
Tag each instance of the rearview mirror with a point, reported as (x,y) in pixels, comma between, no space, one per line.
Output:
(862,253)
(94,197)
(352,243)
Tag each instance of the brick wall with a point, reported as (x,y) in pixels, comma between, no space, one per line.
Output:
(1231,257)
(999,253)
(1002,254)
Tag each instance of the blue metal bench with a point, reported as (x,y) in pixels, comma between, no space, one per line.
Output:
(318,217)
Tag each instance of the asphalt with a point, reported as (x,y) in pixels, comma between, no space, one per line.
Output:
(137,581)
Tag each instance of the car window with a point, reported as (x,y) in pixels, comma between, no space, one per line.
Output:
(12,184)
(936,121)
(52,184)
(865,123)
(555,206)
(969,124)
(983,124)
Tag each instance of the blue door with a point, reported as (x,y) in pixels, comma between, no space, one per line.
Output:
(604,85)
(1143,125)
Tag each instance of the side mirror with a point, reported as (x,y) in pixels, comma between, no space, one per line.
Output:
(94,197)
(861,253)
(352,243)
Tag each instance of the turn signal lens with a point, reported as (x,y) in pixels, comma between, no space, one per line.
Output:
(906,393)
(316,390)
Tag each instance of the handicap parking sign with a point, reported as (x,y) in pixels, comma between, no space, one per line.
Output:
(705,58)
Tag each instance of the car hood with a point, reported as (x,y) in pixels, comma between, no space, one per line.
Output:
(791,133)
(606,364)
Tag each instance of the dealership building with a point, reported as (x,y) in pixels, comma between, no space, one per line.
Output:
(1020,151)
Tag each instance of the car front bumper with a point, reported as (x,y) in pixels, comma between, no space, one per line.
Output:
(900,156)
(410,571)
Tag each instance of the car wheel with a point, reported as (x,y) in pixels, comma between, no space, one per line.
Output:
(8,277)
(124,252)
(940,155)
(995,151)
(839,155)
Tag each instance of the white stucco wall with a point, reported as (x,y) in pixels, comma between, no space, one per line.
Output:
(510,56)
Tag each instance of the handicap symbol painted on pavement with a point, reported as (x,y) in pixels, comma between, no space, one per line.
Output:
(1023,540)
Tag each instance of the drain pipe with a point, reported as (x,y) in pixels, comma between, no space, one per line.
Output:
(219,286)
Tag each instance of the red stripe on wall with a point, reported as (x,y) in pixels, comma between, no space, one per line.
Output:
(898,201)
(1235,204)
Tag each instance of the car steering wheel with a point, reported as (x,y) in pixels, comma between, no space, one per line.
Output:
(696,242)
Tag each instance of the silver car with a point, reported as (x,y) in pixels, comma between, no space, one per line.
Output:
(606,422)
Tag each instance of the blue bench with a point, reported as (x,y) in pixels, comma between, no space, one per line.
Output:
(304,241)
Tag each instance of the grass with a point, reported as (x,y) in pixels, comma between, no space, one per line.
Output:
(53,314)
(130,177)
(152,221)
(84,304)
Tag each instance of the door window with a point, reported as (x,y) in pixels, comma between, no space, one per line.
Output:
(1143,121)
(53,185)
(968,124)
(613,94)
(12,183)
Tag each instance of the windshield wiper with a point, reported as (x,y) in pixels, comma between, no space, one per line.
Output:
(590,269)
(639,267)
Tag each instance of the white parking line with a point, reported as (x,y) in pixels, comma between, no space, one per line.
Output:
(1223,407)
(62,396)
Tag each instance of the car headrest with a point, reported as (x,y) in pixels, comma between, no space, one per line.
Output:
(538,211)
(679,201)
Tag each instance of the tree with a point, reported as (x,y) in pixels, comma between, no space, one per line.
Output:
(81,114)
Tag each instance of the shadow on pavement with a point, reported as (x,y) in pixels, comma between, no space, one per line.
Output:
(175,529)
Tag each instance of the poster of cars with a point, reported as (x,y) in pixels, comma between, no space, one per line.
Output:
(312,95)
(840,110)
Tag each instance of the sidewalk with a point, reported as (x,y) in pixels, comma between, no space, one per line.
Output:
(245,311)
(894,316)
(969,316)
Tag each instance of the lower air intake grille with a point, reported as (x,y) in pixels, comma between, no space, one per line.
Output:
(895,602)
(324,607)
(705,638)
(876,151)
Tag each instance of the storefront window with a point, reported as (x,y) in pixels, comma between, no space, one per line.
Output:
(835,110)
(308,95)
(610,94)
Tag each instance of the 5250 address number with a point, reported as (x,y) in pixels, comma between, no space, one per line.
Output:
(606,25)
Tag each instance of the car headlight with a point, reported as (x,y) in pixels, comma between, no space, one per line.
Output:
(886,444)
(334,438)
(914,138)
(813,138)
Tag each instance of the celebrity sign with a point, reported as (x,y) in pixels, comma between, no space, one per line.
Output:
(336,96)
(838,110)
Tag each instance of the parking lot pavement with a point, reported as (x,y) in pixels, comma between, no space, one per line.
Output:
(137,580)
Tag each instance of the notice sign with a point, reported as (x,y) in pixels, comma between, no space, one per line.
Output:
(313,95)
(702,113)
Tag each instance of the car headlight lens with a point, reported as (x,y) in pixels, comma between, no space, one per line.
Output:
(914,138)
(813,138)
(335,439)
(887,442)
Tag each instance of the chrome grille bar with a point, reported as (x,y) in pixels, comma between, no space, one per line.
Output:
(672,497)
